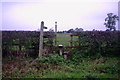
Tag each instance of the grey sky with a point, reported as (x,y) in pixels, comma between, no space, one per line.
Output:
(86,14)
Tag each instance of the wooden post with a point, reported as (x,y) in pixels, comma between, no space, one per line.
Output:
(66,55)
(56,33)
(61,49)
(20,45)
(61,53)
(71,40)
(79,40)
(41,40)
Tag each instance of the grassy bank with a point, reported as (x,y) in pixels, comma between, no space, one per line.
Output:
(55,66)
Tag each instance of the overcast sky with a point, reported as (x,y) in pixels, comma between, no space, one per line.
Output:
(86,14)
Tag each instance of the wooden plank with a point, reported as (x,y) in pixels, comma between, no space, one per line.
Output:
(76,46)
(65,41)
(82,47)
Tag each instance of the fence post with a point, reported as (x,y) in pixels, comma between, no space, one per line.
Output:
(55,33)
(79,40)
(19,45)
(41,40)
(71,40)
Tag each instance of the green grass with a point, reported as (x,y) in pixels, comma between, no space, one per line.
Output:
(61,37)
(56,67)
(86,68)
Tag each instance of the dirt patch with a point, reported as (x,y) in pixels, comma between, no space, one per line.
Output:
(15,67)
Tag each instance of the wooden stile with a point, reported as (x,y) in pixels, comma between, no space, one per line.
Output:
(41,40)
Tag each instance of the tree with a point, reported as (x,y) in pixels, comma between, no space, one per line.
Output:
(70,31)
(110,21)
(78,29)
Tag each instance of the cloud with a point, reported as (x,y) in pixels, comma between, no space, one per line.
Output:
(27,15)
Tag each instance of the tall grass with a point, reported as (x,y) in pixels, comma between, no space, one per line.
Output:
(55,66)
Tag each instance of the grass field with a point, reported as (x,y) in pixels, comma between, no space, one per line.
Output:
(64,39)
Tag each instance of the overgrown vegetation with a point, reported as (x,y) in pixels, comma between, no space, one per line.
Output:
(105,43)
(55,66)
(24,42)
(100,59)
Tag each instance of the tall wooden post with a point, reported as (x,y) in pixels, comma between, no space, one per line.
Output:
(71,40)
(56,33)
(79,40)
(41,40)
(119,15)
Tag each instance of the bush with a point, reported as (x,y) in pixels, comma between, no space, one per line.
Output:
(109,68)
(79,55)
(52,59)
(90,77)
(107,43)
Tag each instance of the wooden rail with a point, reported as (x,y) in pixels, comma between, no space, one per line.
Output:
(66,41)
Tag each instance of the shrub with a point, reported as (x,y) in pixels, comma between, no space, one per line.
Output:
(109,68)
(107,43)
(79,55)
(90,77)
(52,59)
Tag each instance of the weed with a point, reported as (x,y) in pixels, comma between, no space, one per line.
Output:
(90,76)
(52,59)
